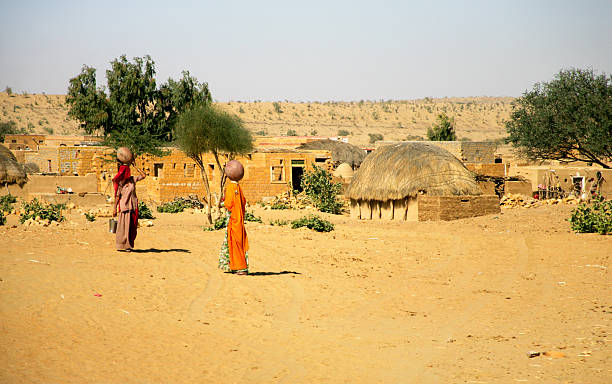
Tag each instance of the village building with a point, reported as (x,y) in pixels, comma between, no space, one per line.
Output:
(416,181)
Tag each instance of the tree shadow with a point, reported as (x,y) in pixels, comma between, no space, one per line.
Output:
(274,273)
(155,250)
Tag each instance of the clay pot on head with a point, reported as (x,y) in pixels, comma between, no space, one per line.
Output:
(124,155)
(234,170)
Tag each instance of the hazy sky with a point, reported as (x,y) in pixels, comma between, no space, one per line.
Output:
(310,50)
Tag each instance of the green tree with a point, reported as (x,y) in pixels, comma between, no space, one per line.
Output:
(132,111)
(205,128)
(323,192)
(8,128)
(444,130)
(566,119)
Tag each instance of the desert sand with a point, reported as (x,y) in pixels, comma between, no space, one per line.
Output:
(476,118)
(370,302)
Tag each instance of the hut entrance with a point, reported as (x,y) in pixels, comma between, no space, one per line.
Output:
(297,170)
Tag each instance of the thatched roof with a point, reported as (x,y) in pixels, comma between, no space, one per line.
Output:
(341,152)
(11,172)
(398,171)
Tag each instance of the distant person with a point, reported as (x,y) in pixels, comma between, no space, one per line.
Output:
(234,251)
(126,205)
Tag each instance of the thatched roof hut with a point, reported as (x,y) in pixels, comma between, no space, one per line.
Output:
(398,171)
(11,172)
(341,152)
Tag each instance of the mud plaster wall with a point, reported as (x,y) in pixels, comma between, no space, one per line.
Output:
(178,175)
(426,208)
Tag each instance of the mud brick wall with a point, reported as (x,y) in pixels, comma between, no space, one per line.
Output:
(456,207)
(70,158)
(177,175)
(495,170)
(47,159)
(518,187)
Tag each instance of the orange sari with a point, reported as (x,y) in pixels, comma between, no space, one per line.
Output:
(237,241)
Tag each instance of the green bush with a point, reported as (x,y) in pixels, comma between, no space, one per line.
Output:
(320,188)
(36,209)
(279,205)
(248,216)
(291,132)
(90,216)
(144,212)
(374,137)
(596,217)
(343,132)
(172,207)
(313,222)
(277,107)
(278,222)
(2,218)
(6,203)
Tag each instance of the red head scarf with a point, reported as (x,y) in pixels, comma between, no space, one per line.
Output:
(123,173)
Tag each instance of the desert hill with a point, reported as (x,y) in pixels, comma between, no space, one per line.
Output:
(476,118)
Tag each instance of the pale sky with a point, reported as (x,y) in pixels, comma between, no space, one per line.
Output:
(310,50)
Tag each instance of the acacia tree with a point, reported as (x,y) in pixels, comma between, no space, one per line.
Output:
(566,119)
(132,111)
(205,128)
(444,130)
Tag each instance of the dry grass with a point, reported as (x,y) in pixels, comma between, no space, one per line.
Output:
(394,172)
(477,118)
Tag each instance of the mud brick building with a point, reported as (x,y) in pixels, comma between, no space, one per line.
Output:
(268,173)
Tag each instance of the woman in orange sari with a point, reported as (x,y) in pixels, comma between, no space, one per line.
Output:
(234,252)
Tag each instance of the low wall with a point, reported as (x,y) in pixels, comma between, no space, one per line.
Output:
(38,184)
(456,207)
(518,187)
(425,208)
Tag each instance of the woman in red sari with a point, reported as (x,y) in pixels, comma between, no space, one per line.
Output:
(126,207)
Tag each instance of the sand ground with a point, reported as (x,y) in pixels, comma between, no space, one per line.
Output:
(370,302)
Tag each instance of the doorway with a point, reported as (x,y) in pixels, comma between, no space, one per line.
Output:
(297,170)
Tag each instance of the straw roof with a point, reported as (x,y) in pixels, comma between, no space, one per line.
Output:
(11,172)
(341,152)
(403,170)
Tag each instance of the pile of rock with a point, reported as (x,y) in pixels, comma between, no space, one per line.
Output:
(38,222)
(522,201)
(297,201)
(98,212)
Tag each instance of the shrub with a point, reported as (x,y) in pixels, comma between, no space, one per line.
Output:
(291,132)
(6,203)
(248,216)
(320,188)
(2,218)
(313,222)
(172,207)
(596,217)
(278,222)
(374,137)
(90,216)
(144,212)
(279,205)
(277,107)
(36,209)
(343,132)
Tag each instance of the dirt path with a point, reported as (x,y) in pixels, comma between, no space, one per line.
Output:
(370,302)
